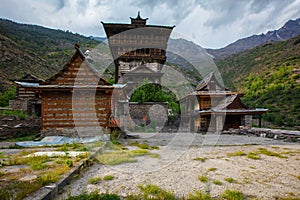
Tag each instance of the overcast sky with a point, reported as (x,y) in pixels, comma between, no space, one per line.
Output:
(209,23)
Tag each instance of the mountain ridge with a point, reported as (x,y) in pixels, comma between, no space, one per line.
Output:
(289,30)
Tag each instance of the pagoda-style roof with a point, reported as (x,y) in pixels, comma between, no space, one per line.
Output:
(138,22)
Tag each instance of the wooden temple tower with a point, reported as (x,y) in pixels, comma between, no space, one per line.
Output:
(138,50)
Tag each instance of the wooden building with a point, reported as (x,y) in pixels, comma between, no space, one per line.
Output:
(214,107)
(75,97)
(27,100)
(135,44)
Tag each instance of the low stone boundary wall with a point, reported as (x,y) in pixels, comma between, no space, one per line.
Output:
(15,127)
(278,134)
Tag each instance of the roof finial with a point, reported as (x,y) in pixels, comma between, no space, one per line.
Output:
(138,16)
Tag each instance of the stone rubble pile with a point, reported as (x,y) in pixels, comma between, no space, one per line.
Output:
(277,134)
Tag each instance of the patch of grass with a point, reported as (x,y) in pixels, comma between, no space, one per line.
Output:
(197,195)
(114,158)
(200,159)
(108,177)
(53,175)
(230,180)
(154,155)
(94,180)
(203,179)
(212,169)
(123,156)
(34,162)
(298,177)
(17,190)
(232,195)
(143,145)
(217,182)
(270,153)
(154,192)
(237,153)
(138,152)
(254,156)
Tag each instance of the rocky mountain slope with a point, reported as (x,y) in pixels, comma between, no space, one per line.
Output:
(289,30)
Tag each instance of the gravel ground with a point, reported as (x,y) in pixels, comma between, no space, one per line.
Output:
(177,170)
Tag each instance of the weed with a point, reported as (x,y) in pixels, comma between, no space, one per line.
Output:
(108,177)
(203,179)
(200,159)
(212,169)
(197,195)
(94,180)
(216,182)
(154,192)
(298,177)
(230,180)
(237,153)
(232,195)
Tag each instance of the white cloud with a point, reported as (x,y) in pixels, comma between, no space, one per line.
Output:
(209,23)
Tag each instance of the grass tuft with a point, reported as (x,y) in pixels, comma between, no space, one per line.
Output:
(200,159)
(212,169)
(232,195)
(254,156)
(230,180)
(108,177)
(197,195)
(154,192)
(95,180)
(237,153)
(216,182)
(203,179)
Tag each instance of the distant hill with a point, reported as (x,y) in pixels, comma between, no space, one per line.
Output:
(269,75)
(289,30)
(34,49)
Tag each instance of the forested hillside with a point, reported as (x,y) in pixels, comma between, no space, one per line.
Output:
(269,75)
(34,49)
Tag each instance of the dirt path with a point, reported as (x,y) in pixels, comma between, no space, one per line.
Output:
(177,171)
